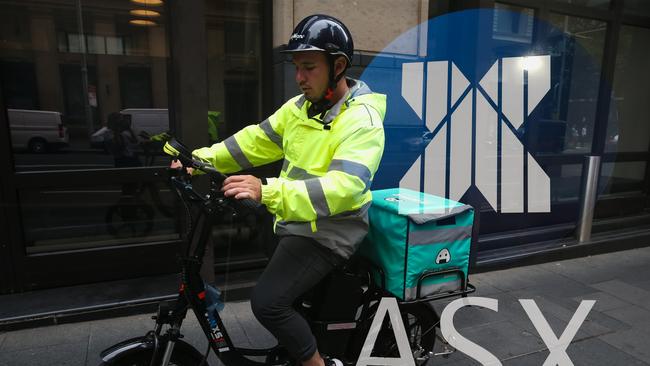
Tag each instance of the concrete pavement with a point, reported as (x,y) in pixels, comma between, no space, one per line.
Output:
(616,330)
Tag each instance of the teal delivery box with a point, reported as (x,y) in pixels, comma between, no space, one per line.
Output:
(412,233)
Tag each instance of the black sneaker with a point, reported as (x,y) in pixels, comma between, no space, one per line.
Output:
(333,362)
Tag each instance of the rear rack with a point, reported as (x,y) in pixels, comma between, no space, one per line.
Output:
(465,287)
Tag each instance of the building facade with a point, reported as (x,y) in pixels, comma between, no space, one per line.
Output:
(83,203)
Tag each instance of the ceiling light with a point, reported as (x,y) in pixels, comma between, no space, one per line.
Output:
(145,13)
(142,22)
(148,2)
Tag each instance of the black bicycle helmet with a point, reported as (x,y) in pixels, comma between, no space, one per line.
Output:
(320,32)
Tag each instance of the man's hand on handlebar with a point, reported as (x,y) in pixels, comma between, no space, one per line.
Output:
(243,186)
(176,164)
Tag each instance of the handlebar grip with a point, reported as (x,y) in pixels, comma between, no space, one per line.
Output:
(249,203)
(174,172)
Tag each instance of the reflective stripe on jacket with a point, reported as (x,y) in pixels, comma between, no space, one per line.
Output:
(323,190)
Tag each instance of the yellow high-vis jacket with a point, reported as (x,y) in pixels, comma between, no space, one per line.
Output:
(323,190)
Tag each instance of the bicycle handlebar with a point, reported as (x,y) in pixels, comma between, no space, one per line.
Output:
(213,172)
(178,150)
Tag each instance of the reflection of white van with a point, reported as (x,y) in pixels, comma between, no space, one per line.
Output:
(36,130)
(151,120)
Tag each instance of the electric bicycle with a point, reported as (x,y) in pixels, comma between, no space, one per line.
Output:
(340,309)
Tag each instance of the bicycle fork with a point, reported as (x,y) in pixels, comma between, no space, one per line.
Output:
(168,352)
(172,334)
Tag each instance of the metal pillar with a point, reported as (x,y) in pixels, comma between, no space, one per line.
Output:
(590,174)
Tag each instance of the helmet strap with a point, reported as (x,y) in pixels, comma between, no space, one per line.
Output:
(335,80)
(325,102)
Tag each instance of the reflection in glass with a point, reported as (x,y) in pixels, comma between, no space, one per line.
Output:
(148,2)
(143,22)
(569,178)
(623,177)
(234,63)
(637,7)
(628,129)
(86,217)
(233,32)
(575,92)
(515,25)
(73,76)
(602,4)
(36,131)
(87,96)
(145,13)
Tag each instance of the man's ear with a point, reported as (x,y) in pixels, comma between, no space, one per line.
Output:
(339,65)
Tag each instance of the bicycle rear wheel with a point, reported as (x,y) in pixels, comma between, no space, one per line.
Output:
(420,322)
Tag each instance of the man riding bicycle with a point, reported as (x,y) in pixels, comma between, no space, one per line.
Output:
(331,138)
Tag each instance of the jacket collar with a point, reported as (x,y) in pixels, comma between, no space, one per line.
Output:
(357,88)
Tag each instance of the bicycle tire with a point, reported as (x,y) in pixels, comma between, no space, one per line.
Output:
(420,323)
(180,357)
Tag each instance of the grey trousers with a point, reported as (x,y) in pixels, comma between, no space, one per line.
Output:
(297,265)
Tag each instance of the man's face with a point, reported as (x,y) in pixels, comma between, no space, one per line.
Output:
(312,73)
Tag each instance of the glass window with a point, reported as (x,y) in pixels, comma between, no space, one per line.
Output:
(82,97)
(233,46)
(563,123)
(575,92)
(566,186)
(603,4)
(622,178)
(63,83)
(233,34)
(517,26)
(628,129)
(637,7)
(85,217)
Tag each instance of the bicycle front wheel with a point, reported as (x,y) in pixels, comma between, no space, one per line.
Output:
(180,357)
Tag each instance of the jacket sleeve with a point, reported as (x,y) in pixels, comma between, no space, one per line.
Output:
(252,146)
(341,189)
